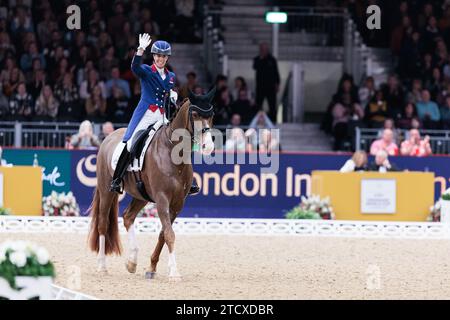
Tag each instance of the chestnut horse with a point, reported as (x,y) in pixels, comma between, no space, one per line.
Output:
(166,182)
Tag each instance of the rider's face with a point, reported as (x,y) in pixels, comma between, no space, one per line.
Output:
(160,60)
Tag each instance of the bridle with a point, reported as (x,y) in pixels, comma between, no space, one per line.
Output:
(203,113)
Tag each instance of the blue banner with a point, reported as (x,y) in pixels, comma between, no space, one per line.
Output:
(242,191)
(227,190)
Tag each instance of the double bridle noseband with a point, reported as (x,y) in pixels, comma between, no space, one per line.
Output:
(203,113)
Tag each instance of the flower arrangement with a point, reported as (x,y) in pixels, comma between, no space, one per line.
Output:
(22,258)
(312,207)
(148,211)
(60,204)
(5,211)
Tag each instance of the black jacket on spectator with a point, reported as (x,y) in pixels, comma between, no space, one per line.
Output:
(69,107)
(245,109)
(21,107)
(374,167)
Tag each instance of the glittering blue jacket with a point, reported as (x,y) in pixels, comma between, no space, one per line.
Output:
(154,92)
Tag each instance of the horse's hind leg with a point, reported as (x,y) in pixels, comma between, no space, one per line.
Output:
(105,205)
(128,219)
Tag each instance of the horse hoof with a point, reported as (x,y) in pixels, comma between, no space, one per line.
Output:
(150,275)
(131,267)
(176,278)
(102,270)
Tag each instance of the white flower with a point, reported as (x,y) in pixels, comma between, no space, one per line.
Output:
(42,256)
(18,258)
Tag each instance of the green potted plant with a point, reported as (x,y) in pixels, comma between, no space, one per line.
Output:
(5,211)
(312,207)
(26,271)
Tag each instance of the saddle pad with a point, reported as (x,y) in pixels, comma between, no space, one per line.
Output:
(136,164)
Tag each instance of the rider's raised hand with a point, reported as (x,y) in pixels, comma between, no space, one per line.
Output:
(144,41)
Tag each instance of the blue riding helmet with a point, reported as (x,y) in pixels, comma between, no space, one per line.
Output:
(161,47)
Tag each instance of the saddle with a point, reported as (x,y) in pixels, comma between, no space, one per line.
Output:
(139,145)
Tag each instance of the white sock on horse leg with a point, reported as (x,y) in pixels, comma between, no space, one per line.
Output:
(133,244)
(173,272)
(101,253)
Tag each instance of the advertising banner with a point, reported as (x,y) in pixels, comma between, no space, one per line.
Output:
(56,166)
(227,190)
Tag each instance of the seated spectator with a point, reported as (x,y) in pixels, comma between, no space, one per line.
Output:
(95,106)
(409,113)
(428,111)
(108,62)
(394,96)
(191,82)
(367,91)
(115,81)
(85,138)
(240,83)
(358,162)
(377,111)
(445,114)
(27,58)
(10,85)
(66,92)
(340,125)
(386,143)
(21,105)
(46,105)
(88,85)
(107,129)
(235,140)
(37,83)
(443,93)
(119,107)
(267,142)
(415,95)
(4,104)
(261,121)
(243,107)
(414,146)
(222,107)
(382,163)
(254,133)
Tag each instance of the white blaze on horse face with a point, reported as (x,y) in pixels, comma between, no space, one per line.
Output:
(208,143)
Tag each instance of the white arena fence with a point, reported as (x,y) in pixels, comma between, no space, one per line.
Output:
(60,293)
(261,227)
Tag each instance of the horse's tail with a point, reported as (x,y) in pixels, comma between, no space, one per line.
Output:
(110,225)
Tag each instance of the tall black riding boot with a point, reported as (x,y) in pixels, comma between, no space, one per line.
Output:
(194,188)
(121,168)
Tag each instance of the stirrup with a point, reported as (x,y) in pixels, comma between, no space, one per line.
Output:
(115,186)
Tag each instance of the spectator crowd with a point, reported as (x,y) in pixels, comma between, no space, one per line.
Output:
(415,97)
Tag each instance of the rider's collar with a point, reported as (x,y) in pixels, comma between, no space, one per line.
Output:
(156,69)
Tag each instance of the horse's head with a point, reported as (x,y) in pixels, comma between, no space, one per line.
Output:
(196,116)
(201,113)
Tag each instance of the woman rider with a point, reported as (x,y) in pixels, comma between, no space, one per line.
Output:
(156,87)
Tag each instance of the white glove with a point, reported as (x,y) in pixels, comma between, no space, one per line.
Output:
(144,41)
(173,96)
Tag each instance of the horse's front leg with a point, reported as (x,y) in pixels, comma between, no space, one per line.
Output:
(169,237)
(129,216)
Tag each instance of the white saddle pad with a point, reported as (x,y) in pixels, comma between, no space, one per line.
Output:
(135,164)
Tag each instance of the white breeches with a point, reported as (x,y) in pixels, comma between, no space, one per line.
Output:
(148,119)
